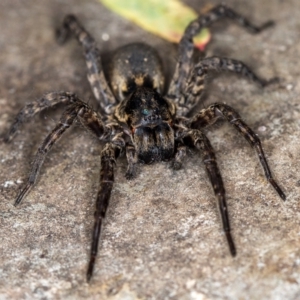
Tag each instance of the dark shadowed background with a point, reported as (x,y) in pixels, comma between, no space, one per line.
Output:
(162,237)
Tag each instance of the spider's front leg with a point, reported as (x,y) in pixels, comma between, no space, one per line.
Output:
(195,138)
(210,115)
(186,46)
(96,76)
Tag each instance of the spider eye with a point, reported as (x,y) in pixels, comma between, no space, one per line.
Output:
(145,112)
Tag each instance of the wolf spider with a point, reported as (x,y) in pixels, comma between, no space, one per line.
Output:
(137,119)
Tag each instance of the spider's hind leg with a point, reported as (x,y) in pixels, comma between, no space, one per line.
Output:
(96,76)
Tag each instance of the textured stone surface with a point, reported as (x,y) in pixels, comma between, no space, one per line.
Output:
(162,237)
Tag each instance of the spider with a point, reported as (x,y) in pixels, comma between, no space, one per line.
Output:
(137,119)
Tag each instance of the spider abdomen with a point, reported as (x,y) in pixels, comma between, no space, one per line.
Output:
(135,65)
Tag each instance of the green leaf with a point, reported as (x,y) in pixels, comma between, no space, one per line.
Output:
(165,18)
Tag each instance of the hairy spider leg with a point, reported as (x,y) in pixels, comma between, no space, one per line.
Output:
(196,79)
(92,122)
(132,160)
(88,118)
(108,159)
(186,46)
(197,139)
(31,109)
(231,65)
(65,122)
(95,76)
(210,115)
(180,154)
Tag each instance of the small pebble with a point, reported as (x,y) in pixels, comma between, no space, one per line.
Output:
(105,37)
(262,128)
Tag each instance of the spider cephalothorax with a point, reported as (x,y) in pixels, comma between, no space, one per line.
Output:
(135,118)
(149,117)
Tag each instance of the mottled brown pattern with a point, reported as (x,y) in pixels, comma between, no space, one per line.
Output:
(138,120)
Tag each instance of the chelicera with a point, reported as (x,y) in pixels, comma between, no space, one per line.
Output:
(137,119)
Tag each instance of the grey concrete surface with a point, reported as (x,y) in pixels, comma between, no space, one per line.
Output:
(162,237)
